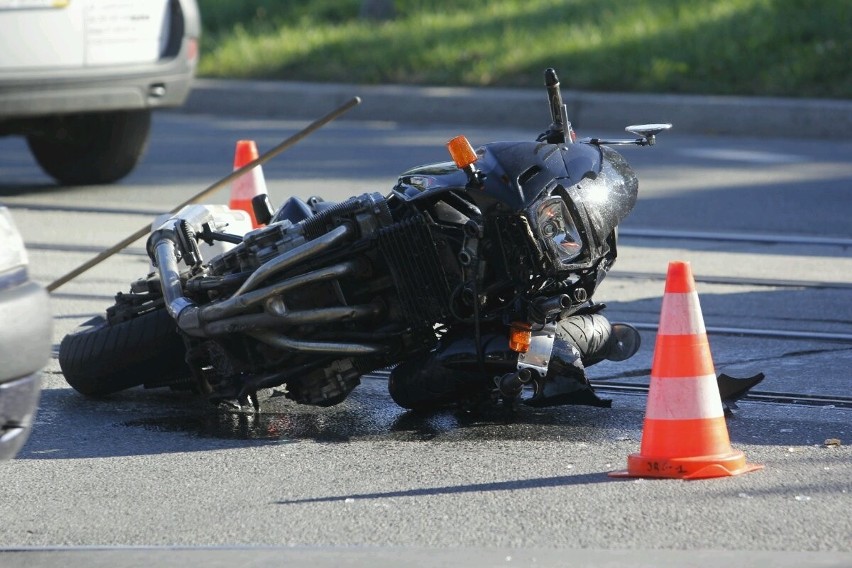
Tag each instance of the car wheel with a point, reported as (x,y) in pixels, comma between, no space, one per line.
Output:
(91,148)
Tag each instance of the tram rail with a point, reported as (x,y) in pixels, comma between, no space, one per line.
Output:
(801,399)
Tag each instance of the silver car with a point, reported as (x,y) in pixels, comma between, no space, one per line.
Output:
(79,79)
(26,329)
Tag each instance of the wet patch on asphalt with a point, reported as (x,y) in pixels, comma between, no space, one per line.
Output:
(370,414)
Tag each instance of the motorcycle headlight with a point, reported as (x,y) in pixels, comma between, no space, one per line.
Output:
(556,228)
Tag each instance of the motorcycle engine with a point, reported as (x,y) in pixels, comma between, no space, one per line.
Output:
(366,213)
(400,278)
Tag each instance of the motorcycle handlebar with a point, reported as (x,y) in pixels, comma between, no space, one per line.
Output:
(554,96)
(560,128)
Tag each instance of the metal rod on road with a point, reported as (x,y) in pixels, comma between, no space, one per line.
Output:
(315,125)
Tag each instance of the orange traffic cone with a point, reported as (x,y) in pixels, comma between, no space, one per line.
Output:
(684,435)
(248,185)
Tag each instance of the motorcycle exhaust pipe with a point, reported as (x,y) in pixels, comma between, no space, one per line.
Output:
(167,265)
(190,318)
(317,347)
(239,303)
(327,315)
(264,322)
(294,256)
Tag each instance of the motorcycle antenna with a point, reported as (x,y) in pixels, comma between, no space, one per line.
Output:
(297,137)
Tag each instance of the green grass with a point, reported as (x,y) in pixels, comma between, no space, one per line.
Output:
(791,48)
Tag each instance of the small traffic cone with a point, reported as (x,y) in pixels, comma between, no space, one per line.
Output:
(685,435)
(248,185)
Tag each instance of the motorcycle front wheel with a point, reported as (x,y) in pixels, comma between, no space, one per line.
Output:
(99,359)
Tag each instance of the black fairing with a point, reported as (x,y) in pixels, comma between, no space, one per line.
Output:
(597,179)
(607,198)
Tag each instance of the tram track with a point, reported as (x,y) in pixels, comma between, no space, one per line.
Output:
(797,335)
(798,399)
(759,238)
(738,280)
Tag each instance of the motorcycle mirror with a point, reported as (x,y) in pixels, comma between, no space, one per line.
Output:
(647,131)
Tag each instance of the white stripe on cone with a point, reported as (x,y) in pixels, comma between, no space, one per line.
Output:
(248,185)
(684,398)
(681,314)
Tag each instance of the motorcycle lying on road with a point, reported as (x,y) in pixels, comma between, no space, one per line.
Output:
(473,278)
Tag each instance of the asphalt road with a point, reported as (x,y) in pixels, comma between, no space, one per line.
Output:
(148,468)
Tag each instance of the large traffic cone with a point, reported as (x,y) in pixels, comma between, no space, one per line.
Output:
(248,185)
(684,435)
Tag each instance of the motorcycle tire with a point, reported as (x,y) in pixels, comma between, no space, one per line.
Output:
(597,339)
(100,359)
(590,333)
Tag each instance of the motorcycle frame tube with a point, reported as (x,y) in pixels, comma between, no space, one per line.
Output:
(294,256)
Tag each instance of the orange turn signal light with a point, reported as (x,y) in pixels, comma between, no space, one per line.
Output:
(520,337)
(461,152)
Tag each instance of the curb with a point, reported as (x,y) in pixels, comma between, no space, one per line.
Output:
(520,108)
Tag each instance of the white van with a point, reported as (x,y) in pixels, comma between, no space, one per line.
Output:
(79,79)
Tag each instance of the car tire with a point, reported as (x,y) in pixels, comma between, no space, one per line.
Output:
(100,359)
(91,148)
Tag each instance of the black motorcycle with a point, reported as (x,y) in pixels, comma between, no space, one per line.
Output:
(473,279)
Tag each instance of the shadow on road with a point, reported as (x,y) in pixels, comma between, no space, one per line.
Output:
(513,485)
